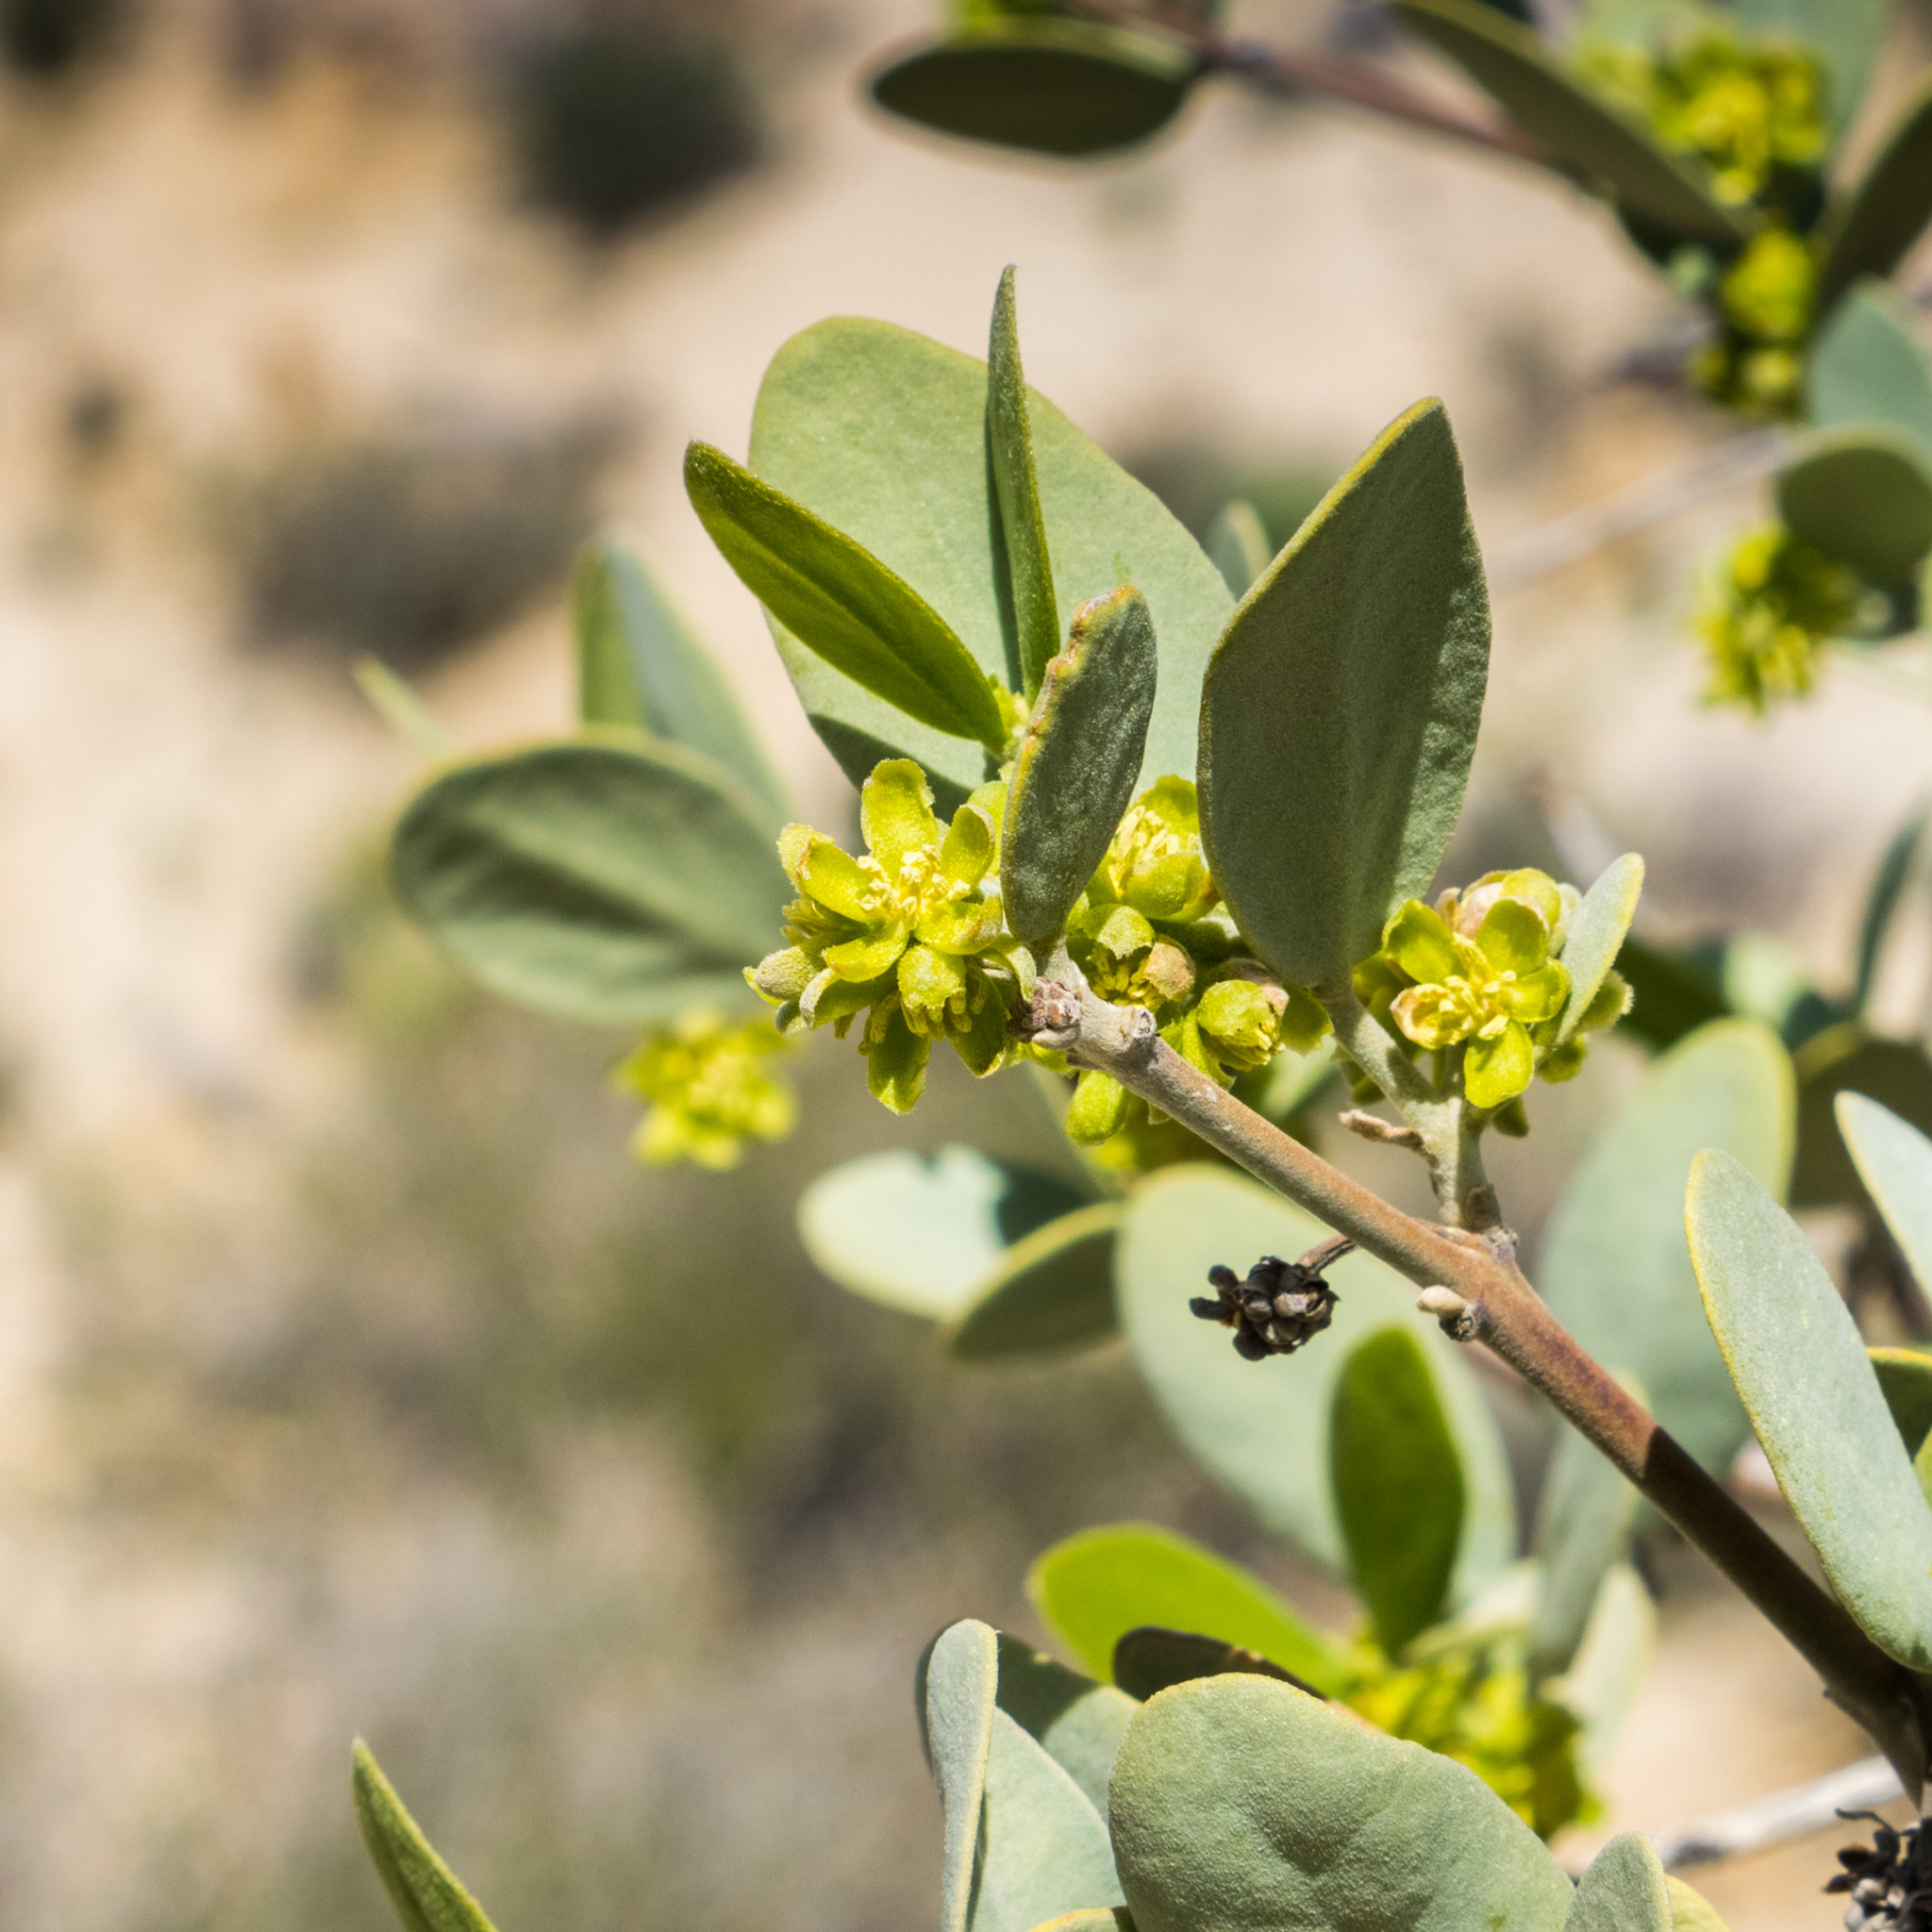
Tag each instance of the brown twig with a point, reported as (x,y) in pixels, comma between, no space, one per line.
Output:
(1297,70)
(1500,1308)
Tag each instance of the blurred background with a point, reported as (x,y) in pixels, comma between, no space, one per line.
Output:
(351,1378)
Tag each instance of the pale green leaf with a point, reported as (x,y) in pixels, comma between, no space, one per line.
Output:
(1043,1846)
(1241,1803)
(1077,1722)
(640,665)
(883,434)
(1610,1665)
(1869,229)
(1095,1587)
(1023,528)
(1077,764)
(398,705)
(1796,1357)
(427,1895)
(1398,1484)
(1691,1911)
(1596,935)
(957,1686)
(1862,494)
(1847,1059)
(1053,87)
(1623,1890)
(925,1233)
(1894,1160)
(1582,1528)
(1262,1427)
(1238,543)
(1340,708)
(609,881)
(1605,149)
(1052,1290)
(1869,365)
(1614,1267)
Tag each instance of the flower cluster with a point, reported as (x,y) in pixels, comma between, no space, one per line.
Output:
(910,936)
(1150,931)
(1475,1702)
(1480,971)
(1765,301)
(1770,607)
(711,1087)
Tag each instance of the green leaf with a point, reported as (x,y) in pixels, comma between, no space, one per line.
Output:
(925,1232)
(1894,1160)
(1582,1528)
(1905,1379)
(1862,492)
(1238,543)
(1053,1290)
(1870,366)
(1009,446)
(1078,765)
(1077,1722)
(1048,86)
(1611,1663)
(956,1688)
(840,600)
(1796,1357)
(427,1895)
(1262,1427)
(639,665)
(1340,708)
(1691,1911)
(1604,148)
(883,434)
(1398,1484)
(1871,230)
(1882,903)
(1623,1890)
(396,702)
(1150,1659)
(1043,1846)
(1596,933)
(605,880)
(1095,1587)
(1239,1801)
(1671,995)
(1846,1060)
(1614,1268)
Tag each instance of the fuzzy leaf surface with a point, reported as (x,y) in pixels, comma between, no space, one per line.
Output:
(1243,1804)
(882,433)
(1078,763)
(1096,1586)
(427,1895)
(1801,1367)
(959,1686)
(1623,1890)
(1077,1722)
(1052,1290)
(1894,1160)
(611,881)
(1261,1428)
(1615,1269)
(1597,931)
(1342,706)
(1016,487)
(1043,1846)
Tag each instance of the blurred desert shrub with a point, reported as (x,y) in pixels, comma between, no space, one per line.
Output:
(410,548)
(41,39)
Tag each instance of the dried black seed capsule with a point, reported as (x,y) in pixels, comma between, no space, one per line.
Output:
(1280,1305)
(1890,1881)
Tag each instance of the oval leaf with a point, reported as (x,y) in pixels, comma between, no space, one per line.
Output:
(1596,933)
(925,1232)
(427,1895)
(1051,87)
(958,1685)
(639,665)
(1796,1357)
(1894,1161)
(1870,366)
(1614,1267)
(1340,708)
(1077,1722)
(1241,1802)
(1078,765)
(1023,527)
(883,433)
(1862,494)
(840,600)
(1262,1427)
(1054,1290)
(1605,149)
(1398,1484)
(1871,230)
(609,882)
(1044,1849)
(1095,1587)
(1623,1890)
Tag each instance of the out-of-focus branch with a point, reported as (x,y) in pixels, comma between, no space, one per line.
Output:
(1788,1814)
(1305,70)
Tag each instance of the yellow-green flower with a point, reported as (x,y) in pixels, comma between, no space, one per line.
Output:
(1480,974)
(911,935)
(1771,606)
(1156,863)
(1765,301)
(710,1088)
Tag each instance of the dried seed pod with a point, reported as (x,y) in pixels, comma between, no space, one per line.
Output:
(1279,1307)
